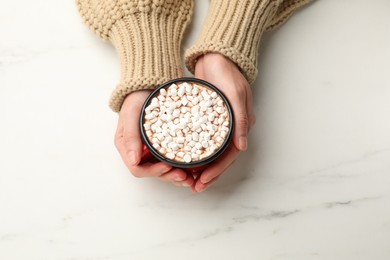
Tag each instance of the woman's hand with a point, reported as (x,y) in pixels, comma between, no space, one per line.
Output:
(129,144)
(225,75)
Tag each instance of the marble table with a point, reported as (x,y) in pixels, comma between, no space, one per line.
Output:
(315,183)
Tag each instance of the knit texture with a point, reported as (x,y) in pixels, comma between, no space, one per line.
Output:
(147,35)
(234,28)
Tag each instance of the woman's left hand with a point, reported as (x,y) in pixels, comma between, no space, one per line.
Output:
(225,75)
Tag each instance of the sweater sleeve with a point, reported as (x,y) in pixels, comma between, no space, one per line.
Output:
(146,34)
(234,28)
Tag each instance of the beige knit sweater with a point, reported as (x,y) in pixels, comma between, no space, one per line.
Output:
(148,33)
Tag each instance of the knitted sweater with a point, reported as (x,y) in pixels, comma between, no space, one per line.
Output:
(148,33)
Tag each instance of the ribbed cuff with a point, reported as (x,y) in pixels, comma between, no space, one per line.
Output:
(234,28)
(147,35)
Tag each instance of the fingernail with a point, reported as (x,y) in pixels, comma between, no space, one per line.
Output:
(201,189)
(185,184)
(243,143)
(132,155)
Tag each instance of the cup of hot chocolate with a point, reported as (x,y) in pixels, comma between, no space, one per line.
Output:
(187,123)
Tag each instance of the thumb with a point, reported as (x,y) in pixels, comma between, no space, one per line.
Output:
(199,72)
(131,136)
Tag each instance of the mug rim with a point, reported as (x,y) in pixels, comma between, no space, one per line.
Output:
(198,163)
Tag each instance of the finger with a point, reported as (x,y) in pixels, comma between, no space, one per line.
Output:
(216,169)
(240,135)
(131,135)
(249,108)
(178,177)
(220,165)
(144,170)
(202,187)
(186,183)
(175,175)
(150,169)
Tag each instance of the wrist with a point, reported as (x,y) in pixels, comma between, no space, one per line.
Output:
(217,62)
(138,96)
(214,57)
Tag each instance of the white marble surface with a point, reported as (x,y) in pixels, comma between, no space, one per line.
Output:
(315,183)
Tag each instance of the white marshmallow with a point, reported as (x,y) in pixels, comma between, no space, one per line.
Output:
(188,87)
(195,156)
(195,101)
(170,156)
(180,140)
(220,110)
(195,91)
(187,158)
(163,92)
(160,137)
(176,113)
(195,136)
(147,126)
(198,146)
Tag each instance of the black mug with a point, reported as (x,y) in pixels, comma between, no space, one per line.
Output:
(150,154)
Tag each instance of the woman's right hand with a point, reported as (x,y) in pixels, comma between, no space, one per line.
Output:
(129,144)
